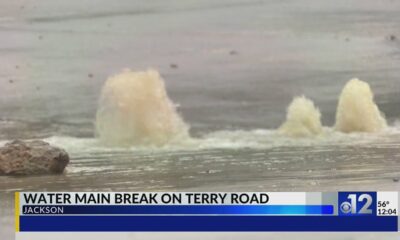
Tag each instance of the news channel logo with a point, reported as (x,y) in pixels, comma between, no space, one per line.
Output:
(357,203)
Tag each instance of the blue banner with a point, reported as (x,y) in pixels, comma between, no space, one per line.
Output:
(207,223)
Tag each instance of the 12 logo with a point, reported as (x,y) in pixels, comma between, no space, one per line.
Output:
(357,203)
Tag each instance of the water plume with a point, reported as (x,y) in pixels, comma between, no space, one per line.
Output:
(134,109)
(302,119)
(356,110)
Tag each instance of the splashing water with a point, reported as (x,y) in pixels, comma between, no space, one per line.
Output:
(134,109)
(302,119)
(357,111)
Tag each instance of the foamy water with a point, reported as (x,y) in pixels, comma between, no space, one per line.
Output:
(256,139)
(357,111)
(134,109)
(303,119)
(136,114)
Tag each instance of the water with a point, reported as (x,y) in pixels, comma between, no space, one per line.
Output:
(134,109)
(232,66)
(357,111)
(303,119)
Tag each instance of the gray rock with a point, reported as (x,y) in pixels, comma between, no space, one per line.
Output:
(32,157)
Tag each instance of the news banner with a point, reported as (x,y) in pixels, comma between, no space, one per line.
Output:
(205,211)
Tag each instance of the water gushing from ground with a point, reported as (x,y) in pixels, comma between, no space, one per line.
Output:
(134,109)
(357,111)
(303,119)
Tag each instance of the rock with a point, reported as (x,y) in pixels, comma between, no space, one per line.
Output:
(32,157)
